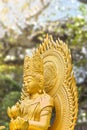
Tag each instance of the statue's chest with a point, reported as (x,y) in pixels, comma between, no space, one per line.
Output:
(30,109)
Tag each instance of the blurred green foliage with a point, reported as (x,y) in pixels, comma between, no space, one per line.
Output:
(10,99)
(10,86)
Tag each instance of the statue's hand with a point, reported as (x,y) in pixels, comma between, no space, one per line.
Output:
(19,124)
(13,112)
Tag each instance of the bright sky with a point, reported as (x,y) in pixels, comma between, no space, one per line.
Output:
(13,13)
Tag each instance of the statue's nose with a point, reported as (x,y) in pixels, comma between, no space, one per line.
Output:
(25,84)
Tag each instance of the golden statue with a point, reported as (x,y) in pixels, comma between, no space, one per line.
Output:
(49,84)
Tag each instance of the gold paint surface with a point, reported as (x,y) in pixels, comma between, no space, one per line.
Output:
(48,83)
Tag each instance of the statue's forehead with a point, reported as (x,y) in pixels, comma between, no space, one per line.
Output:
(27,77)
(30,76)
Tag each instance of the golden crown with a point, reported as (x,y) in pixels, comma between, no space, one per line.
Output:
(33,64)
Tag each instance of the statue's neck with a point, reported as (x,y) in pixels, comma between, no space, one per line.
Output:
(34,96)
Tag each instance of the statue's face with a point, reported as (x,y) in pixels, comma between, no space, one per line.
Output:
(31,84)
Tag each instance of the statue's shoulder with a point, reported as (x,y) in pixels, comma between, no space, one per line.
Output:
(46,101)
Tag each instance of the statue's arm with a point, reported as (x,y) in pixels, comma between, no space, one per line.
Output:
(42,124)
(45,117)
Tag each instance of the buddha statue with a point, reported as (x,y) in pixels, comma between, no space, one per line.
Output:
(49,84)
(34,112)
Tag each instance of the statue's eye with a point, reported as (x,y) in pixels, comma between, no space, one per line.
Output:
(28,81)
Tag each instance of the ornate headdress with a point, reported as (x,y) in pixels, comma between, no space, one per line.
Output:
(33,65)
